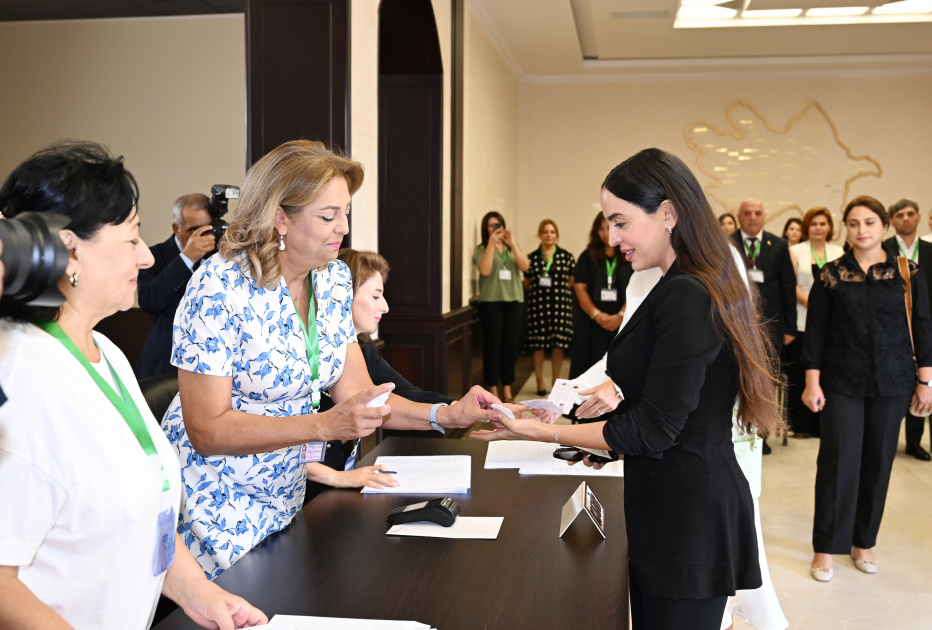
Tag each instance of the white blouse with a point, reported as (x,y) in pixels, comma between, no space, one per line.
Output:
(804,277)
(79,500)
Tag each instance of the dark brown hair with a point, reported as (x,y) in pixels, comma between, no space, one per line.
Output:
(871,204)
(813,213)
(363,265)
(596,247)
(790,222)
(702,250)
(485,226)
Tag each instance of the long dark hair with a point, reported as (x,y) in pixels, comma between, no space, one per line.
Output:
(485,226)
(596,247)
(651,177)
(80,180)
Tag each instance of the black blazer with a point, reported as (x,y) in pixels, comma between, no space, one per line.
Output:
(688,505)
(924,257)
(778,290)
(161,288)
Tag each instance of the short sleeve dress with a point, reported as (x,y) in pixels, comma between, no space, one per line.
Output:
(550,305)
(227,325)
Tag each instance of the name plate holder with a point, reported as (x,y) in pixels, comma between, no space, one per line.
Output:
(583,500)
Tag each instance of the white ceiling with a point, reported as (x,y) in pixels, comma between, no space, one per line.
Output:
(635,39)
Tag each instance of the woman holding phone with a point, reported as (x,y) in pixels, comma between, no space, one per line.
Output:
(686,356)
(501,302)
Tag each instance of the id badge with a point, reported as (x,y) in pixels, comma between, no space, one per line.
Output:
(609,295)
(546,281)
(504,274)
(757,275)
(312,453)
(165,542)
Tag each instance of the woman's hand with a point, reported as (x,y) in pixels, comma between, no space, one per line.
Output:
(363,478)
(515,430)
(475,406)
(526,413)
(496,238)
(604,399)
(611,322)
(814,398)
(508,238)
(212,607)
(922,400)
(351,418)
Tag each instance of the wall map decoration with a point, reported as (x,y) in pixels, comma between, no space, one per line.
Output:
(790,169)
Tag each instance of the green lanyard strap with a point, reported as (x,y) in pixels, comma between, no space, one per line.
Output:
(820,262)
(123,401)
(549,260)
(610,270)
(504,255)
(915,255)
(310,341)
(752,253)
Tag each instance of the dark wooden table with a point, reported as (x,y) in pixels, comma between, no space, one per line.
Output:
(335,560)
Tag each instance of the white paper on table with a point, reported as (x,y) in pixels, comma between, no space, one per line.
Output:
(477,527)
(520,453)
(295,622)
(615,469)
(430,474)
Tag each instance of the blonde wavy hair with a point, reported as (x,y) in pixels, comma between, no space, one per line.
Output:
(289,177)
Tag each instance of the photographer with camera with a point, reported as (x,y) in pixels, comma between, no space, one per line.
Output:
(89,484)
(162,285)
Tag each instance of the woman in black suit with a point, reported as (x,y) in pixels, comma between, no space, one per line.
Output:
(690,352)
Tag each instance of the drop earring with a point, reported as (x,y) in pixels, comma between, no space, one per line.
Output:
(74,279)
(670,230)
(281,244)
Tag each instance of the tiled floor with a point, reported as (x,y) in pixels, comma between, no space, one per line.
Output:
(898,597)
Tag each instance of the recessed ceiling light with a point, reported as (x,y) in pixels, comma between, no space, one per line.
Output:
(836,11)
(702,3)
(705,13)
(903,7)
(773,13)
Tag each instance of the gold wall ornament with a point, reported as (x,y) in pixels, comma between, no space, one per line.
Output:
(794,168)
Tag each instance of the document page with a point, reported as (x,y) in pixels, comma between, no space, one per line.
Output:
(476,527)
(295,622)
(430,474)
(520,453)
(615,469)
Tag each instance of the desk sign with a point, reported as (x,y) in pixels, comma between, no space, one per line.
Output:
(583,500)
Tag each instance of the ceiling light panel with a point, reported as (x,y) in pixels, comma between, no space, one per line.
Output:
(904,8)
(836,11)
(756,13)
(772,13)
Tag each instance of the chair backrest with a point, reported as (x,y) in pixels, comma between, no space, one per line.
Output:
(159,391)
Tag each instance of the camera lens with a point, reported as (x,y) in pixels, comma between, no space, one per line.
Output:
(34,257)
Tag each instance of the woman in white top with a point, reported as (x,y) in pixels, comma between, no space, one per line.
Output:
(813,252)
(89,486)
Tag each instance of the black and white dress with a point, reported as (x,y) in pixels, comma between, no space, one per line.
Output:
(550,303)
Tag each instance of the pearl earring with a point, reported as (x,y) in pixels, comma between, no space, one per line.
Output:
(281,244)
(670,230)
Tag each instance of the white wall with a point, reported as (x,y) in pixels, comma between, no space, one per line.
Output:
(169,94)
(364,119)
(490,143)
(573,134)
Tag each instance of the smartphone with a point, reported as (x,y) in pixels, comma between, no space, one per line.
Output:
(576,454)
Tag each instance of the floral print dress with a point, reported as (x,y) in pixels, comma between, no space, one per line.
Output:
(227,325)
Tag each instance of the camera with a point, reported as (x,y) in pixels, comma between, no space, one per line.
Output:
(220,195)
(34,257)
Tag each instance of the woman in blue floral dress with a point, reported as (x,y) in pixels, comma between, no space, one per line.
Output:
(249,375)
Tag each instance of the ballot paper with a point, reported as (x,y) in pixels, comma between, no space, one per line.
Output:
(560,400)
(431,474)
(478,527)
(614,469)
(520,454)
(294,622)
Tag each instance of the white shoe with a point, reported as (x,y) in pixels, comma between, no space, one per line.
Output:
(866,566)
(821,574)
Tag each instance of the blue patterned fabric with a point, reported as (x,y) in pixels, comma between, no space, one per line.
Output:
(226,325)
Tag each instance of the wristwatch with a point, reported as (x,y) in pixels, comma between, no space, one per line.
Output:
(433,417)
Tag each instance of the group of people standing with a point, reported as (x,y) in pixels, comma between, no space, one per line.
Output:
(572,304)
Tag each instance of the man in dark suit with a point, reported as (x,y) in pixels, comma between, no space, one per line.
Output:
(162,285)
(767,257)
(905,217)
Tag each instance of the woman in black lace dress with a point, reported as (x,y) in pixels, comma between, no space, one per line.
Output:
(861,374)
(550,302)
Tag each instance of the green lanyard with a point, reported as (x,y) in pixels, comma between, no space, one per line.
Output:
(310,341)
(122,401)
(915,255)
(610,270)
(504,257)
(820,263)
(752,253)
(549,260)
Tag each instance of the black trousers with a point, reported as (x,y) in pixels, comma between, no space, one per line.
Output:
(914,429)
(655,613)
(858,444)
(799,416)
(501,325)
